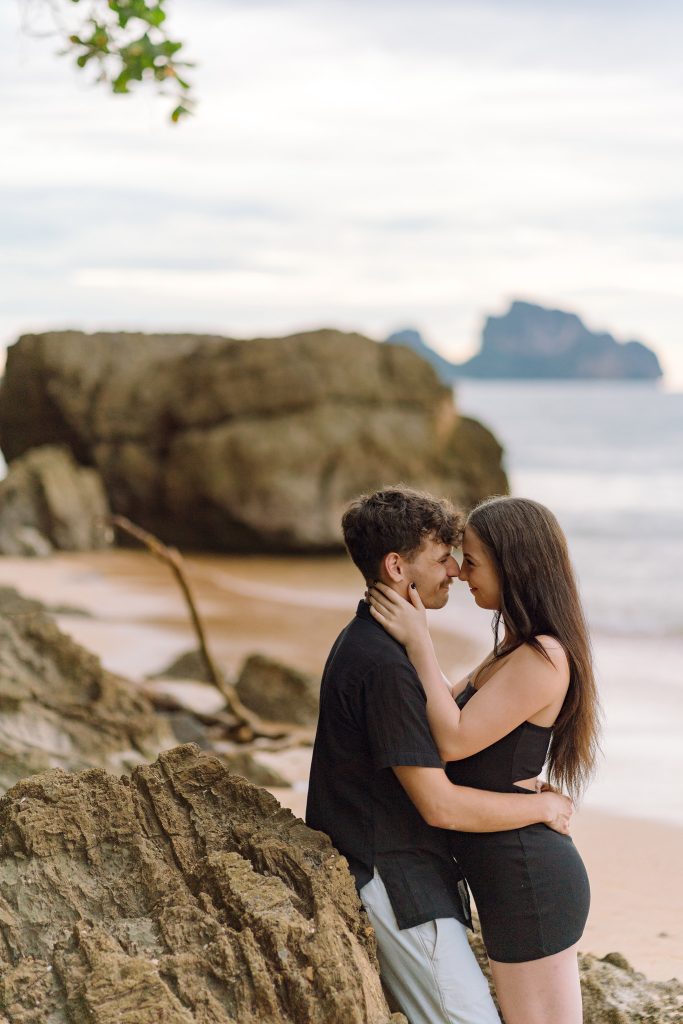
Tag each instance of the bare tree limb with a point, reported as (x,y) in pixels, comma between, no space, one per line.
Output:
(243,724)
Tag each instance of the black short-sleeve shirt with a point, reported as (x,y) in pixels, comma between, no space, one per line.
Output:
(373,718)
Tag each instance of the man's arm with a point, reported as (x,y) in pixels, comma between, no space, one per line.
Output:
(462,809)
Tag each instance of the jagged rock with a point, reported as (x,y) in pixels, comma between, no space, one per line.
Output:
(613,993)
(59,707)
(278,692)
(183,894)
(241,445)
(48,501)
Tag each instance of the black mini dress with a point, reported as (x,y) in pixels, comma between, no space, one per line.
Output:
(529,884)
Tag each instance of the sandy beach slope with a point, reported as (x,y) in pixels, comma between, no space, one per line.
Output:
(293,609)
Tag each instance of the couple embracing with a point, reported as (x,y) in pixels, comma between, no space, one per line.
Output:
(423,783)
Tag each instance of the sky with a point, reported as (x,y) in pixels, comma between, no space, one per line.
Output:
(366,164)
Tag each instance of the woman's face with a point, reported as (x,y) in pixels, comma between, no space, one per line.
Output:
(479,572)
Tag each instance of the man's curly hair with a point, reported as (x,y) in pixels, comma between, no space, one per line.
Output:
(399,519)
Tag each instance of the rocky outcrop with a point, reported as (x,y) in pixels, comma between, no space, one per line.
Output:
(257,445)
(277,692)
(532,342)
(48,501)
(183,894)
(59,707)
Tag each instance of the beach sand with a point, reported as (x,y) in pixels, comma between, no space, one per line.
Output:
(293,609)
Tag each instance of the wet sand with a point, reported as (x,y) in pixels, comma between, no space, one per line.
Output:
(293,609)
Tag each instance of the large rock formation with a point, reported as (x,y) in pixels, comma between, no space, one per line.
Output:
(60,708)
(530,342)
(181,895)
(244,445)
(48,501)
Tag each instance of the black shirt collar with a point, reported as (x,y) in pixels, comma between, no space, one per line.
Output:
(363,612)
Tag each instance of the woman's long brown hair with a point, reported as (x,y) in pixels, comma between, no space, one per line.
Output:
(539,596)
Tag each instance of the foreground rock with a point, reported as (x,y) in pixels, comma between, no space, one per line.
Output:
(48,501)
(59,707)
(183,894)
(244,445)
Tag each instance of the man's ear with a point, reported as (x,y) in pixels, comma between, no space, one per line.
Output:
(392,564)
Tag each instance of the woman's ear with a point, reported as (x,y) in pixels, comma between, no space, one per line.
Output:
(393,567)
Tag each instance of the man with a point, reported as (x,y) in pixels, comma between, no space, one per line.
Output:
(378,787)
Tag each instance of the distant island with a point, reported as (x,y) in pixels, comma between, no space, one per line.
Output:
(532,343)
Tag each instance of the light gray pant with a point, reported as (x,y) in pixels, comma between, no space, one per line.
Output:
(430,969)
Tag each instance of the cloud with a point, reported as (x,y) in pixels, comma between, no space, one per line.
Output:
(365,164)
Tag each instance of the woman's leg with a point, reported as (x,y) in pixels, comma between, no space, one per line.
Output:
(540,991)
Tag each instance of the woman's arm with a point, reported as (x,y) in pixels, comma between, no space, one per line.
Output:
(406,621)
(524,685)
(460,685)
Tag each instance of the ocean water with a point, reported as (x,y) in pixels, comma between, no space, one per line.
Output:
(607,458)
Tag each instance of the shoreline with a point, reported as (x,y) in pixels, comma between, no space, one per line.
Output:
(293,610)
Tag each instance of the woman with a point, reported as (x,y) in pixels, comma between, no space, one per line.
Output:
(533,696)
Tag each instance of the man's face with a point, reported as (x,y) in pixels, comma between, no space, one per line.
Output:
(432,571)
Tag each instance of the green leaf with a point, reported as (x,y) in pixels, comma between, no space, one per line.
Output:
(180,111)
(120,83)
(108,36)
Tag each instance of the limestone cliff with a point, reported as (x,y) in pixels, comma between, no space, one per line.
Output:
(532,343)
(536,343)
(244,445)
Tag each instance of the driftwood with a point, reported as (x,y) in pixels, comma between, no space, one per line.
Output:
(238,721)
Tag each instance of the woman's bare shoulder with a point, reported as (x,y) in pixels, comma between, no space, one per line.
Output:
(550,665)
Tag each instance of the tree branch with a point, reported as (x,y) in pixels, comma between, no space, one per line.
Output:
(244,725)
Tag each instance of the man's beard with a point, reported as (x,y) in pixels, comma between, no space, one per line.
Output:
(439,599)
